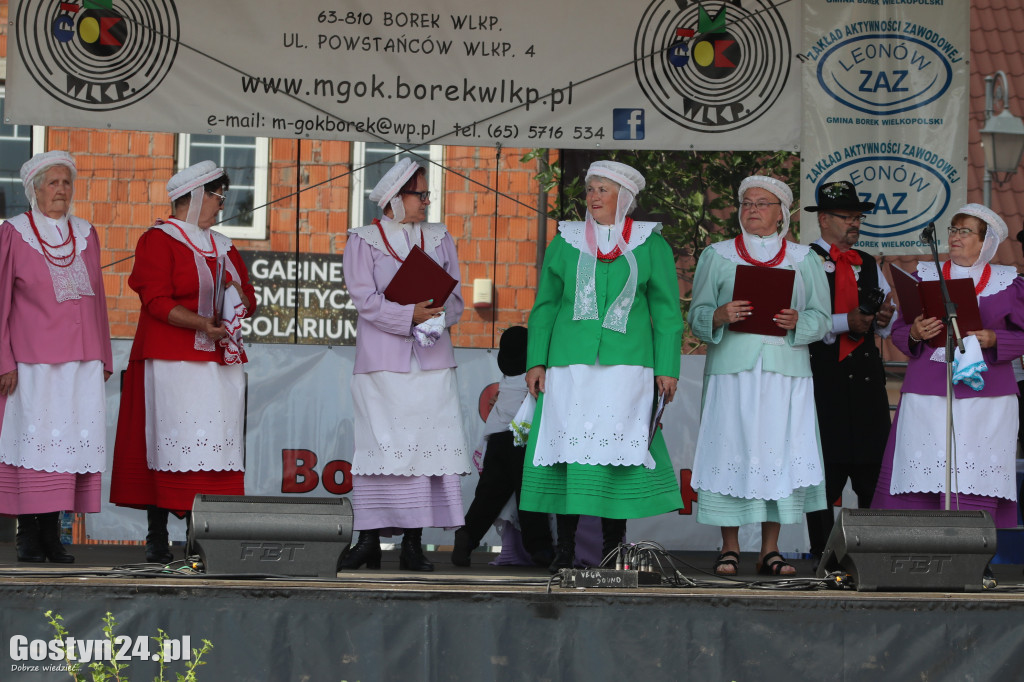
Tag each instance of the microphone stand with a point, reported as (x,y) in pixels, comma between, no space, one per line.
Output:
(953,340)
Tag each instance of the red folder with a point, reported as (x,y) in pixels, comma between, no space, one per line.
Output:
(420,278)
(917,297)
(769,290)
(907,296)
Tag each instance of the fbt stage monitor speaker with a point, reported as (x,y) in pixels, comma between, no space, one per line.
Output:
(908,550)
(300,537)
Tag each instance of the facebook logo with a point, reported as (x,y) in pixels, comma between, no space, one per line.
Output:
(627,124)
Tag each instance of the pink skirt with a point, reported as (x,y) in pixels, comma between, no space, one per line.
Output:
(28,491)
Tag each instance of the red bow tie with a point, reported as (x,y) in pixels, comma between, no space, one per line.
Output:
(847,297)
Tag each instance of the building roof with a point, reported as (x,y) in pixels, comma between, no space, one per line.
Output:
(997,44)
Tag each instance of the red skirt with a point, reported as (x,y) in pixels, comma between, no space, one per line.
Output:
(133,483)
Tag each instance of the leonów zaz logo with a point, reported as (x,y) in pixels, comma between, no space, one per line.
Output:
(884,73)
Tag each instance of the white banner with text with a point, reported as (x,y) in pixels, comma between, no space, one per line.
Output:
(655,74)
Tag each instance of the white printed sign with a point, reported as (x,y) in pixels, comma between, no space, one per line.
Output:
(657,74)
(885,107)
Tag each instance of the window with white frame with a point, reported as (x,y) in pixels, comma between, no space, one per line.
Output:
(371,160)
(18,142)
(245,159)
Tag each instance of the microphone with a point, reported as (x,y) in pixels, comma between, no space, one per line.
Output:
(928,234)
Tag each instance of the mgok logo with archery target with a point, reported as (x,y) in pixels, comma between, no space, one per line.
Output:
(712,67)
(97,55)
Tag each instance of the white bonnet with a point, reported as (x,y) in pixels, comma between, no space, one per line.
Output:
(193,177)
(987,216)
(393,181)
(619,173)
(40,162)
(776,187)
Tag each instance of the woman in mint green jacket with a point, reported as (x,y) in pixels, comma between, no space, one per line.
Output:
(605,335)
(758,456)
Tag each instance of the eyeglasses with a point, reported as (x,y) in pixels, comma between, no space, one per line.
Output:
(962,231)
(848,219)
(759,205)
(424,196)
(222,197)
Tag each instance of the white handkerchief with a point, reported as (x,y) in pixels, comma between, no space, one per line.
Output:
(426,333)
(523,421)
(968,366)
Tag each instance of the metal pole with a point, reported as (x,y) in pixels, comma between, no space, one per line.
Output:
(987,182)
(543,163)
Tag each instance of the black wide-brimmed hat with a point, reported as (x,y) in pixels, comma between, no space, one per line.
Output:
(839,195)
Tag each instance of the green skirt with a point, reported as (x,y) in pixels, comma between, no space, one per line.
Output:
(609,491)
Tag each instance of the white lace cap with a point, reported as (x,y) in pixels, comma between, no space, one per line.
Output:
(777,187)
(386,191)
(40,163)
(393,181)
(192,178)
(620,173)
(996,233)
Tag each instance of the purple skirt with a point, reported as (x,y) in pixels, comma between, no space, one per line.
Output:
(392,503)
(1003,511)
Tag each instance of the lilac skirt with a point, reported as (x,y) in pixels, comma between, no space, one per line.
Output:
(392,503)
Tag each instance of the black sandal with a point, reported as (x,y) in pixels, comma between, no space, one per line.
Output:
(768,567)
(727,559)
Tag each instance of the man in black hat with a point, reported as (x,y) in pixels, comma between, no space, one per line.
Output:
(849,379)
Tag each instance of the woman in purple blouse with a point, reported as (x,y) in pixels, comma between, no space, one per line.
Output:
(985,404)
(410,448)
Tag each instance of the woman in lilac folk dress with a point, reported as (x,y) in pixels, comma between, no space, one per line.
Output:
(410,448)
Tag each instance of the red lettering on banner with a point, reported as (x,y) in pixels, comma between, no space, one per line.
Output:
(330,477)
(296,464)
(689,495)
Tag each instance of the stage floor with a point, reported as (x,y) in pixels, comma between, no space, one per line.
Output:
(511,623)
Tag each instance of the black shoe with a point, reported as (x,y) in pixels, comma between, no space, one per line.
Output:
(30,549)
(412,558)
(543,557)
(462,549)
(365,551)
(565,553)
(565,557)
(988,579)
(612,533)
(158,548)
(49,537)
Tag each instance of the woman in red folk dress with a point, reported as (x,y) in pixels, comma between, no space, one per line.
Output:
(180,427)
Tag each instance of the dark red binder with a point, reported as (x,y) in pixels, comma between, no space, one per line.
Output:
(916,297)
(420,278)
(769,290)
